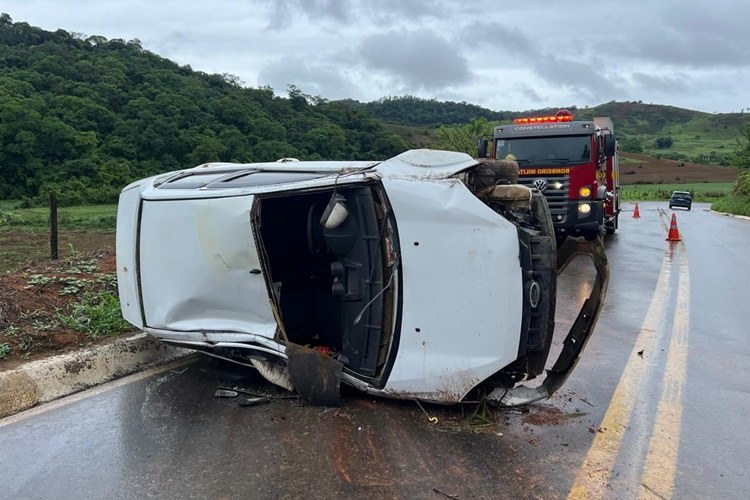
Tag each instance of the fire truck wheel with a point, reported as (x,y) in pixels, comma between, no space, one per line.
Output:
(612,226)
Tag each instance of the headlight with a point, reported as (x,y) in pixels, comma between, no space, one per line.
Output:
(584,208)
(585,191)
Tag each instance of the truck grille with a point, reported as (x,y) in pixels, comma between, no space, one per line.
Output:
(556,194)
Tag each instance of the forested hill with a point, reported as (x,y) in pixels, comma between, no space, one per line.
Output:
(419,112)
(632,117)
(84,116)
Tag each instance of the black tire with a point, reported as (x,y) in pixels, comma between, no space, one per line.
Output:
(612,228)
(503,171)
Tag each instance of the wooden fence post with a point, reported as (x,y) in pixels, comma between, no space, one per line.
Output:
(53,225)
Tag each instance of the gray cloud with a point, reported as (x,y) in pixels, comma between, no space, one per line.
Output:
(283,13)
(678,83)
(702,49)
(499,40)
(585,81)
(530,94)
(419,59)
(316,79)
(694,34)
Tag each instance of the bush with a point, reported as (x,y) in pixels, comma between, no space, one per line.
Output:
(737,205)
(743,184)
(10,219)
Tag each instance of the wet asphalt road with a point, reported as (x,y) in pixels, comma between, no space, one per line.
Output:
(657,407)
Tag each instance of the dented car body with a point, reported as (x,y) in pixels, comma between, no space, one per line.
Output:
(428,276)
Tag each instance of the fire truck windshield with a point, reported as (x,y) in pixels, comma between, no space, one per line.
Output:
(545,150)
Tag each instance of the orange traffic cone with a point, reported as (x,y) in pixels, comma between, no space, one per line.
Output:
(636,212)
(674,234)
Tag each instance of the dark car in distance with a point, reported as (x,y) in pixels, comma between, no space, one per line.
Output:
(681,199)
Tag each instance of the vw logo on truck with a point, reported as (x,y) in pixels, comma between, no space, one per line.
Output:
(541,185)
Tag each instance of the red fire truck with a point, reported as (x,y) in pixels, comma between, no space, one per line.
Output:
(575,165)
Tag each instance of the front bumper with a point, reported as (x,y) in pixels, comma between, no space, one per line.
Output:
(572,221)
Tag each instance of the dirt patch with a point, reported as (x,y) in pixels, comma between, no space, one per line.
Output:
(38,296)
(642,169)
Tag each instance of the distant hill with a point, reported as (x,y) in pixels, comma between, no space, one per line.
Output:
(695,136)
(86,116)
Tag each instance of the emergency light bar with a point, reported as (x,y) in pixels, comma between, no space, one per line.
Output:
(561,116)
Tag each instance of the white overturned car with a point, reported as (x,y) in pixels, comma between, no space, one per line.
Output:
(427,276)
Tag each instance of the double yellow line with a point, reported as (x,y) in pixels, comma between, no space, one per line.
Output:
(657,468)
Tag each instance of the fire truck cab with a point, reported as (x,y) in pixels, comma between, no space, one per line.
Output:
(575,165)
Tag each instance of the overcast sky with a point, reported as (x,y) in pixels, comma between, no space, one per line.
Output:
(501,54)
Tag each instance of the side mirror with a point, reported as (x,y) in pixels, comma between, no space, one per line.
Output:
(335,212)
(610,144)
(482,148)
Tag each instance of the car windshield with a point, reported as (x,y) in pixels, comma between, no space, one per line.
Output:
(545,150)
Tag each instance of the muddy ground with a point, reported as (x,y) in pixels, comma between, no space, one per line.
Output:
(39,293)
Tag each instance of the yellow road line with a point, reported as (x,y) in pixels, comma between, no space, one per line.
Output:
(661,463)
(593,477)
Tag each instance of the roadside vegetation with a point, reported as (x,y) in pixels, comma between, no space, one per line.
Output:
(48,306)
(77,218)
(701,192)
(51,306)
(738,202)
(24,232)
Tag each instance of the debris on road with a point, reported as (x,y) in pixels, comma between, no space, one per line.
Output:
(224,393)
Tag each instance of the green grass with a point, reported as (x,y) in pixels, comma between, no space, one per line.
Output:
(7,205)
(705,192)
(96,308)
(738,205)
(709,151)
(96,313)
(88,218)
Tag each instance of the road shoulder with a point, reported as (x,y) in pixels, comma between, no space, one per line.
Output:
(47,379)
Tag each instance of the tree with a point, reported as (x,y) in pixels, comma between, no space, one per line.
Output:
(464,138)
(741,157)
(631,145)
(663,142)
(328,141)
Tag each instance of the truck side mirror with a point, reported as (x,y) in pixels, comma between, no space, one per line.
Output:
(610,144)
(482,148)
